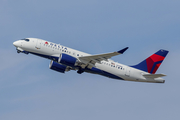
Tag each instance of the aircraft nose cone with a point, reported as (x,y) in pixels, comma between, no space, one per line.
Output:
(16,43)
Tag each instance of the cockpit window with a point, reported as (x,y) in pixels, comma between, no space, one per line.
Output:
(25,40)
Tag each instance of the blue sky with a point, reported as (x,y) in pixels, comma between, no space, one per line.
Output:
(30,90)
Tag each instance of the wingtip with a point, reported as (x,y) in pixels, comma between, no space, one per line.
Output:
(123,50)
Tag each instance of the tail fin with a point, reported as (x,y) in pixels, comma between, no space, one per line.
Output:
(152,63)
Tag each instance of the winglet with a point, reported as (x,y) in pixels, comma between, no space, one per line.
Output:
(123,50)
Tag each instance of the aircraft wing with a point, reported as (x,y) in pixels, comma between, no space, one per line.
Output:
(92,59)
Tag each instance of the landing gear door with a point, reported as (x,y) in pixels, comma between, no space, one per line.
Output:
(38,44)
(128,71)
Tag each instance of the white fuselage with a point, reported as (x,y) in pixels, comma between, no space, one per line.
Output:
(112,69)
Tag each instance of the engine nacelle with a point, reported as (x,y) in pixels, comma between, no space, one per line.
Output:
(58,67)
(67,60)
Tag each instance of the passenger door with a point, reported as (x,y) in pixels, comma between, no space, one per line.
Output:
(38,44)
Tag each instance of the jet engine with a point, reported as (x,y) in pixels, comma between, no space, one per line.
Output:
(58,67)
(67,60)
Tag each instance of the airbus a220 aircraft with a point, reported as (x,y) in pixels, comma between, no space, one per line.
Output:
(64,59)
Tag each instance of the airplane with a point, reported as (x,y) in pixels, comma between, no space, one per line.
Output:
(64,59)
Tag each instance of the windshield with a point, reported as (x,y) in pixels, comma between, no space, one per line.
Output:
(25,40)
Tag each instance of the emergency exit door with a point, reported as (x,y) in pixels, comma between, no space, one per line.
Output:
(128,71)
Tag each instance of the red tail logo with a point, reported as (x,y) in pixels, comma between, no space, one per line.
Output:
(152,63)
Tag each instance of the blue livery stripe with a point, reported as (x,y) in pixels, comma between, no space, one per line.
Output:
(103,73)
(154,65)
(142,66)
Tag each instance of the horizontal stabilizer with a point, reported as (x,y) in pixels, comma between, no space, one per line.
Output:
(153,75)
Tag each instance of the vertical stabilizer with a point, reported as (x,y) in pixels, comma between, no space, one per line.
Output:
(152,63)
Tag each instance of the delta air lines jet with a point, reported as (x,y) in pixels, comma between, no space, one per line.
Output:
(64,59)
